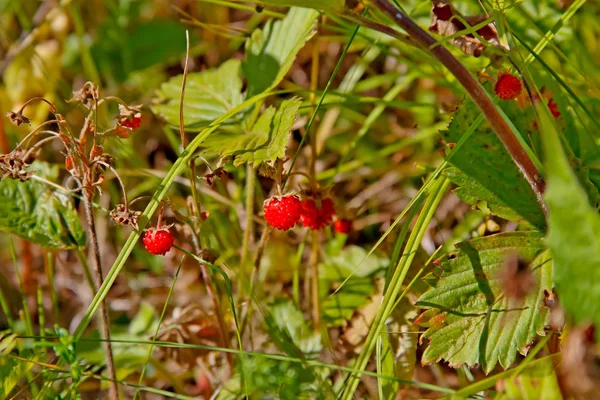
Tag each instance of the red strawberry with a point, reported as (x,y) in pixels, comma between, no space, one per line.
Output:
(282,212)
(508,86)
(343,226)
(317,218)
(158,241)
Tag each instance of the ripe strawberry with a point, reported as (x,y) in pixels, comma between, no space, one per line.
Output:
(343,226)
(282,212)
(158,241)
(508,86)
(317,218)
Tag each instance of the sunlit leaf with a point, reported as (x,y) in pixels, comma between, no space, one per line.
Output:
(271,51)
(265,141)
(208,95)
(469,319)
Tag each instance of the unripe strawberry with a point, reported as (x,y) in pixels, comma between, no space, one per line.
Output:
(158,241)
(282,212)
(315,217)
(343,226)
(508,86)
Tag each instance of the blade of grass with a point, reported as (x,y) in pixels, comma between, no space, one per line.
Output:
(276,357)
(160,320)
(436,193)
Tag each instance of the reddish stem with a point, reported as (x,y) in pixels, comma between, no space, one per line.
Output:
(477,93)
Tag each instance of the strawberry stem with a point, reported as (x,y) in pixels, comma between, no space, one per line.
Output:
(477,93)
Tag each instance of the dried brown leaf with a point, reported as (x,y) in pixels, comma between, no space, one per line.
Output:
(447,21)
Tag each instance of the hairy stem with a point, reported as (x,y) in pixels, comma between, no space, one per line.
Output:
(103,318)
(475,90)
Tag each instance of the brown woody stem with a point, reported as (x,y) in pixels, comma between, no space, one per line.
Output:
(104,320)
(475,90)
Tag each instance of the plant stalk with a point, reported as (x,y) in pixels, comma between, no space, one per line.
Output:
(477,93)
(103,318)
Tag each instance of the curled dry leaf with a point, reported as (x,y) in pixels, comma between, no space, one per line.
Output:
(15,166)
(447,21)
(123,215)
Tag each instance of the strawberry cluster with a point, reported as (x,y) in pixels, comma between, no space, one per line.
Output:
(283,212)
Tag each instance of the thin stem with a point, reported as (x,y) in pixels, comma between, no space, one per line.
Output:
(104,320)
(52,108)
(36,131)
(38,145)
(114,171)
(183,81)
(477,93)
(314,263)
(250,182)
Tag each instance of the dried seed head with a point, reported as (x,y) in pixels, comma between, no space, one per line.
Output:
(87,95)
(218,173)
(122,216)
(18,118)
(14,166)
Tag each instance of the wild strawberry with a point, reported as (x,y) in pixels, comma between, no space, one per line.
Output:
(343,226)
(282,212)
(317,218)
(508,86)
(158,241)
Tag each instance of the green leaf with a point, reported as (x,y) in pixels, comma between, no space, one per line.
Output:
(208,95)
(535,382)
(485,171)
(573,234)
(34,212)
(266,141)
(338,308)
(287,318)
(470,321)
(271,52)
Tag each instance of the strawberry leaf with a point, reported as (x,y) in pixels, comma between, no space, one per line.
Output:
(469,319)
(485,171)
(33,211)
(208,95)
(270,52)
(265,141)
